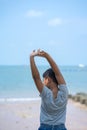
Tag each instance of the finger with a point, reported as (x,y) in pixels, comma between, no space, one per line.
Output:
(33,50)
(38,50)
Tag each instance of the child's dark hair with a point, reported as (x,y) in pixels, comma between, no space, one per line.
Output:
(49,72)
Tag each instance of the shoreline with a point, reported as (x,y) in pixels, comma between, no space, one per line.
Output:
(78,97)
(4,100)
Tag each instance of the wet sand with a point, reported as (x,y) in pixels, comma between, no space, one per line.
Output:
(25,116)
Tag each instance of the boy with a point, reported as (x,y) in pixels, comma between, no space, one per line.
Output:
(53,92)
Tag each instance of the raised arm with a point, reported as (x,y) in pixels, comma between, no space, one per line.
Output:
(35,72)
(54,66)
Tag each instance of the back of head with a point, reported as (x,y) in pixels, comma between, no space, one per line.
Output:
(49,72)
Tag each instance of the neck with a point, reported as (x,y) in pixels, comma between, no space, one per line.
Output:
(53,86)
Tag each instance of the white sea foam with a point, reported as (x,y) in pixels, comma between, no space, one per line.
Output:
(18,99)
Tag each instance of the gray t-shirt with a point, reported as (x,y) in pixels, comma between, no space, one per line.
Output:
(53,111)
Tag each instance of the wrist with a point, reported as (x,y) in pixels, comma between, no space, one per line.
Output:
(31,56)
(46,55)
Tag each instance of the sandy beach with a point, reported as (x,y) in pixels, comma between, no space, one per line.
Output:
(25,115)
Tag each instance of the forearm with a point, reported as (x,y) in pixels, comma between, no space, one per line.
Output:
(34,70)
(56,69)
(52,63)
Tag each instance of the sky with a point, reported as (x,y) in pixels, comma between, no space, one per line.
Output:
(58,27)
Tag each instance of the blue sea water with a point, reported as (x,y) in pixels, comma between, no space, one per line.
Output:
(16,82)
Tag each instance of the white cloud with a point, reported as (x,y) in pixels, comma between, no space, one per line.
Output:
(34,13)
(55,22)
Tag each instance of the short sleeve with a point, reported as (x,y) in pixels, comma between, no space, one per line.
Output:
(46,93)
(62,96)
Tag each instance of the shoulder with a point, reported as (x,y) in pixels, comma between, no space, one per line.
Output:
(63,92)
(45,92)
(63,87)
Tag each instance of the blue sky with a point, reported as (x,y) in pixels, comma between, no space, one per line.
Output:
(56,26)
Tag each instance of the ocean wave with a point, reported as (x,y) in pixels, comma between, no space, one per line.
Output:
(18,99)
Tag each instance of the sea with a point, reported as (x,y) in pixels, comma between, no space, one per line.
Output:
(16,83)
